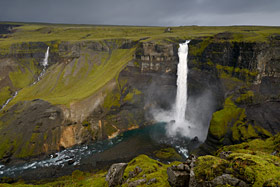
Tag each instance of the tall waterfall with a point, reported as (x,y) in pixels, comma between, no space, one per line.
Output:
(182,89)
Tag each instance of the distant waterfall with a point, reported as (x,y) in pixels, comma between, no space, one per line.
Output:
(44,64)
(7,102)
(45,61)
(182,89)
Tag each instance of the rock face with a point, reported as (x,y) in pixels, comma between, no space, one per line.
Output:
(115,174)
(247,76)
(31,128)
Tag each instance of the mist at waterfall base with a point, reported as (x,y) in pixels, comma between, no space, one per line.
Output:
(189,117)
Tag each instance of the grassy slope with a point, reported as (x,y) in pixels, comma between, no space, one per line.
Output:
(59,89)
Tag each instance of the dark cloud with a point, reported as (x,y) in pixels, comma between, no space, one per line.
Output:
(143,12)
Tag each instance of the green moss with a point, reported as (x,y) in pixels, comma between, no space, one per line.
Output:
(255,169)
(267,146)
(225,118)
(245,98)
(112,99)
(136,64)
(5,94)
(199,48)
(151,168)
(167,154)
(208,167)
(263,131)
(250,161)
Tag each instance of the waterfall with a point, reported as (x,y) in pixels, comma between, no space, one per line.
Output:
(45,61)
(45,64)
(7,102)
(182,76)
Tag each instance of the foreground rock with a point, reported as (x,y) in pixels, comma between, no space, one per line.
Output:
(178,175)
(227,179)
(182,175)
(115,174)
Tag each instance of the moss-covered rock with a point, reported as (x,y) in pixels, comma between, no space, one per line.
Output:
(209,167)
(256,162)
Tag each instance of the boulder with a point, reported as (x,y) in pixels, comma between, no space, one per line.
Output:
(227,179)
(137,182)
(179,175)
(115,174)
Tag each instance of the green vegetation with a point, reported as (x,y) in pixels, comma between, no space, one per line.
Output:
(59,87)
(251,161)
(150,168)
(223,119)
(208,167)
(5,94)
(245,98)
(167,153)
(51,32)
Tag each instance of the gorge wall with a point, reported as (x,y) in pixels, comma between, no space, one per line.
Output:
(97,89)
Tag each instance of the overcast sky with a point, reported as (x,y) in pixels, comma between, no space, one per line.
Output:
(143,12)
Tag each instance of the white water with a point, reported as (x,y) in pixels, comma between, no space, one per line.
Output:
(182,88)
(45,64)
(7,102)
(181,125)
(178,124)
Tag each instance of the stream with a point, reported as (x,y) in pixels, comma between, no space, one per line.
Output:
(133,142)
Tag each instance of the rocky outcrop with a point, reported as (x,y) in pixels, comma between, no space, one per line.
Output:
(115,174)
(28,129)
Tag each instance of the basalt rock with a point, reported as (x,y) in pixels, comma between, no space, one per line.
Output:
(31,128)
(115,174)
(178,177)
(182,175)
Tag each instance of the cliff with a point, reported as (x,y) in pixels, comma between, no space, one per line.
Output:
(99,84)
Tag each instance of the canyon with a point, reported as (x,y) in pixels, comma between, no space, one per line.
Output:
(96,89)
